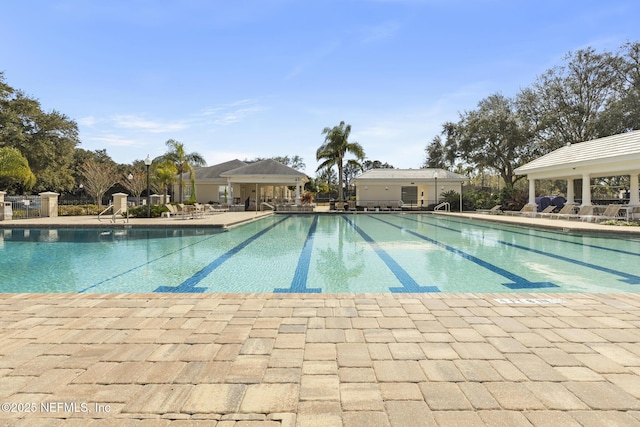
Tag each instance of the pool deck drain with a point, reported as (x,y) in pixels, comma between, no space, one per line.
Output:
(320,359)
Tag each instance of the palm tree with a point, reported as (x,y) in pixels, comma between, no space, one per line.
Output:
(14,169)
(183,161)
(336,145)
(164,174)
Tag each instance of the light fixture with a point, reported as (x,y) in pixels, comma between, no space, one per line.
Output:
(147,163)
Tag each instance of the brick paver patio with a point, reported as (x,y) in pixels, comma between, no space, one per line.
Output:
(320,360)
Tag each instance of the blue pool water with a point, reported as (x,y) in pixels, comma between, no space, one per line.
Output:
(320,253)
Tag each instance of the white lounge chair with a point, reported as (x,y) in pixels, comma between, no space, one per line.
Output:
(584,211)
(567,209)
(493,210)
(611,212)
(549,209)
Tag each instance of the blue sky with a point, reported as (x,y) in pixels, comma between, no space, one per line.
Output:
(248,78)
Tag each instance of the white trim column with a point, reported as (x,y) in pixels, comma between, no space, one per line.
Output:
(586,190)
(297,191)
(532,192)
(229,192)
(570,193)
(634,188)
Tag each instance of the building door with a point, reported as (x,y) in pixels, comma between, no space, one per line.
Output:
(410,196)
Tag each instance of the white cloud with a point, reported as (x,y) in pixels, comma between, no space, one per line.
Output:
(226,114)
(312,57)
(153,126)
(112,140)
(87,121)
(379,32)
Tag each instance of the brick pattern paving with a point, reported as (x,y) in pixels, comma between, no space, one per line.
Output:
(319,360)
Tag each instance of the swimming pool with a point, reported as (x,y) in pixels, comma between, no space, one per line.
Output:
(320,253)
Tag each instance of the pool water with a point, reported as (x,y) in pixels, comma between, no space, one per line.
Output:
(320,253)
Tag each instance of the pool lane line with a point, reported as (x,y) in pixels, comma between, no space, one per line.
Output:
(407,282)
(630,279)
(145,264)
(299,282)
(189,285)
(518,282)
(552,238)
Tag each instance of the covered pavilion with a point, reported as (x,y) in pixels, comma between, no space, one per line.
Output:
(615,155)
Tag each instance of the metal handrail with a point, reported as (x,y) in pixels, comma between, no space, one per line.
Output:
(445,205)
(113,215)
(104,211)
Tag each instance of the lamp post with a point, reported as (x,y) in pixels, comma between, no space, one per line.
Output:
(438,174)
(147,163)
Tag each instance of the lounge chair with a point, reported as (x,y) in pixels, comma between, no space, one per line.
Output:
(352,205)
(371,206)
(584,211)
(395,206)
(611,212)
(567,209)
(384,206)
(549,209)
(527,210)
(172,211)
(494,210)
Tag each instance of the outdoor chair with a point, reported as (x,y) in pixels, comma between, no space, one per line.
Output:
(611,212)
(567,209)
(584,211)
(494,210)
(549,209)
(172,211)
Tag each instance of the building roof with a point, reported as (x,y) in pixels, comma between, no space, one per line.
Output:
(264,167)
(611,150)
(410,174)
(213,172)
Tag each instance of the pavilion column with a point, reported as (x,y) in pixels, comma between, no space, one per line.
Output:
(570,193)
(297,191)
(532,192)
(634,188)
(229,192)
(586,190)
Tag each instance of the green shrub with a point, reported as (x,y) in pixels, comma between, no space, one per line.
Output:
(76,210)
(141,211)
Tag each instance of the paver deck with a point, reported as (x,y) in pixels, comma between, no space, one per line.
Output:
(309,360)
(233,360)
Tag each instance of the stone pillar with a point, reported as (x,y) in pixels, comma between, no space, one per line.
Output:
(634,188)
(48,204)
(2,218)
(120,202)
(570,193)
(532,192)
(586,190)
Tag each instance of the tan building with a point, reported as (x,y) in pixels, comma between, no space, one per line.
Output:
(413,187)
(240,183)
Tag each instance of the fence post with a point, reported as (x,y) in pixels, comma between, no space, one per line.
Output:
(2,193)
(120,202)
(48,204)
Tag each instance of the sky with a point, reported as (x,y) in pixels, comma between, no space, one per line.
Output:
(262,78)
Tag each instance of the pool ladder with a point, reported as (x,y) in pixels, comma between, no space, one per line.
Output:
(445,205)
(113,215)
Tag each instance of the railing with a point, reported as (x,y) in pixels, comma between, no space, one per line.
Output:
(113,215)
(22,207)
(445,205)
